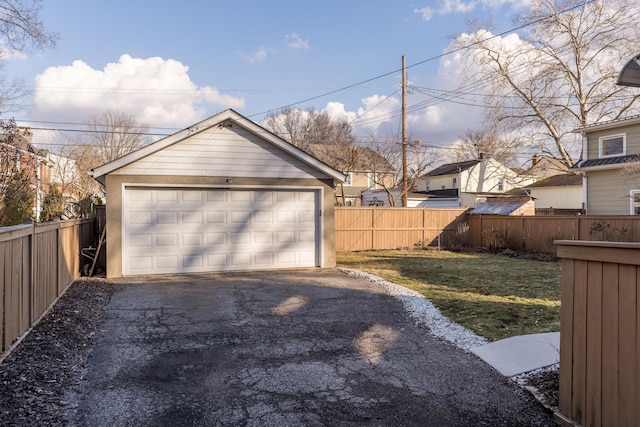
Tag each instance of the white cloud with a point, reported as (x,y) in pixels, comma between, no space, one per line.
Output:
(295,42)
(448,7)
(155,91)
(258,56)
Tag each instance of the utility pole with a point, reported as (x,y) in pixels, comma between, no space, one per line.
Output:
(405,188)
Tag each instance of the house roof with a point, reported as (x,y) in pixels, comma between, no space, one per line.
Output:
(21,143)
(348,158)
(227,116)
(563,180)
(630,74)
(501,205)
(606,161)
(452,168)
(631,120)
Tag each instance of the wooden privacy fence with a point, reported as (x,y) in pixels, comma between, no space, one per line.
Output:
(372,228)
(599,334)
(538,233)
(37,264)
(365,228)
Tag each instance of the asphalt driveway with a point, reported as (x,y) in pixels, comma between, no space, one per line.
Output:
(287,348)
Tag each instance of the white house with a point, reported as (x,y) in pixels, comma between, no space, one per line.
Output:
(471,181)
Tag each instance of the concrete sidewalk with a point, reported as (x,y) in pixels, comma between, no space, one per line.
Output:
(525,353)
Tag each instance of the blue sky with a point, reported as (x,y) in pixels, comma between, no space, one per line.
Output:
(172,64)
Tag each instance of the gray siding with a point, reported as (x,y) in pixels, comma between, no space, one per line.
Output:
(608,192)
(632,135)
(221,151)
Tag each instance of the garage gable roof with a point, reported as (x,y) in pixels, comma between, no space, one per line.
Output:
(225,117)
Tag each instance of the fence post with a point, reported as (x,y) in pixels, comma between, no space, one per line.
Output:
(523,244)
(32,270)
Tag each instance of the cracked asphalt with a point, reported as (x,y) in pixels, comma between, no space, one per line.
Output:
(283,348)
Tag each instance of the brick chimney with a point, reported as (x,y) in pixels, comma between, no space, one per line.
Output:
(535,160)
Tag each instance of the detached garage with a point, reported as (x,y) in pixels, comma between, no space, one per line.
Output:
(222,195)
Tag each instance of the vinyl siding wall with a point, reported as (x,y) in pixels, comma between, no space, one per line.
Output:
(632,137)
(231,152)
(570,197)
(608,192)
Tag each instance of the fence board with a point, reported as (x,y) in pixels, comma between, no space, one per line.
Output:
(600,334)
(579,362)
(610,312)
(628,335)
(37,263)
(593,376)
(566,340)
(367,228)
(390,228)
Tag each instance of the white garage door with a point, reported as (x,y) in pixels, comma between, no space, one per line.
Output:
(197,230)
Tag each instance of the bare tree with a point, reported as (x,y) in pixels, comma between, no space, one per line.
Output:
(21,31)
(483,143)
(114,134)
(387,165)
(304,128)
(560,74)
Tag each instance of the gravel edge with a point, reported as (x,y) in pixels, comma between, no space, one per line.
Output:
(51,358)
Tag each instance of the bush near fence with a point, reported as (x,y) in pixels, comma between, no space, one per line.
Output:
(38,262)
(374,228)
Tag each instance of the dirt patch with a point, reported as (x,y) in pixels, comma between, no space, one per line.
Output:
(543,384)
(51,358)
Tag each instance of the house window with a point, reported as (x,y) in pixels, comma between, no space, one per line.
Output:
(349,178)
(635,202)
(454,182)
(613,145)
(427,186)
(501,184)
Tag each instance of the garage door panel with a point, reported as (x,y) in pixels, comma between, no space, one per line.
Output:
(195,197)
(192,217)
(170,240)
(167,196)
(140,218)
(264,259)
(216,217)
(141,240)
(192,239)
(167,262)
(167,217)
(217,230)
(217,261)
(217,239)
(191,262)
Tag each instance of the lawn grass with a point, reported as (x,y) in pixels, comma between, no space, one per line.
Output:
(493,295)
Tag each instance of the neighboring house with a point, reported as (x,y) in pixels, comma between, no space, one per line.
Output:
(472,181)
(365,170)
(223,194)
(505,205)
(19,153)
(558,194)
(544,167)
(611,167)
